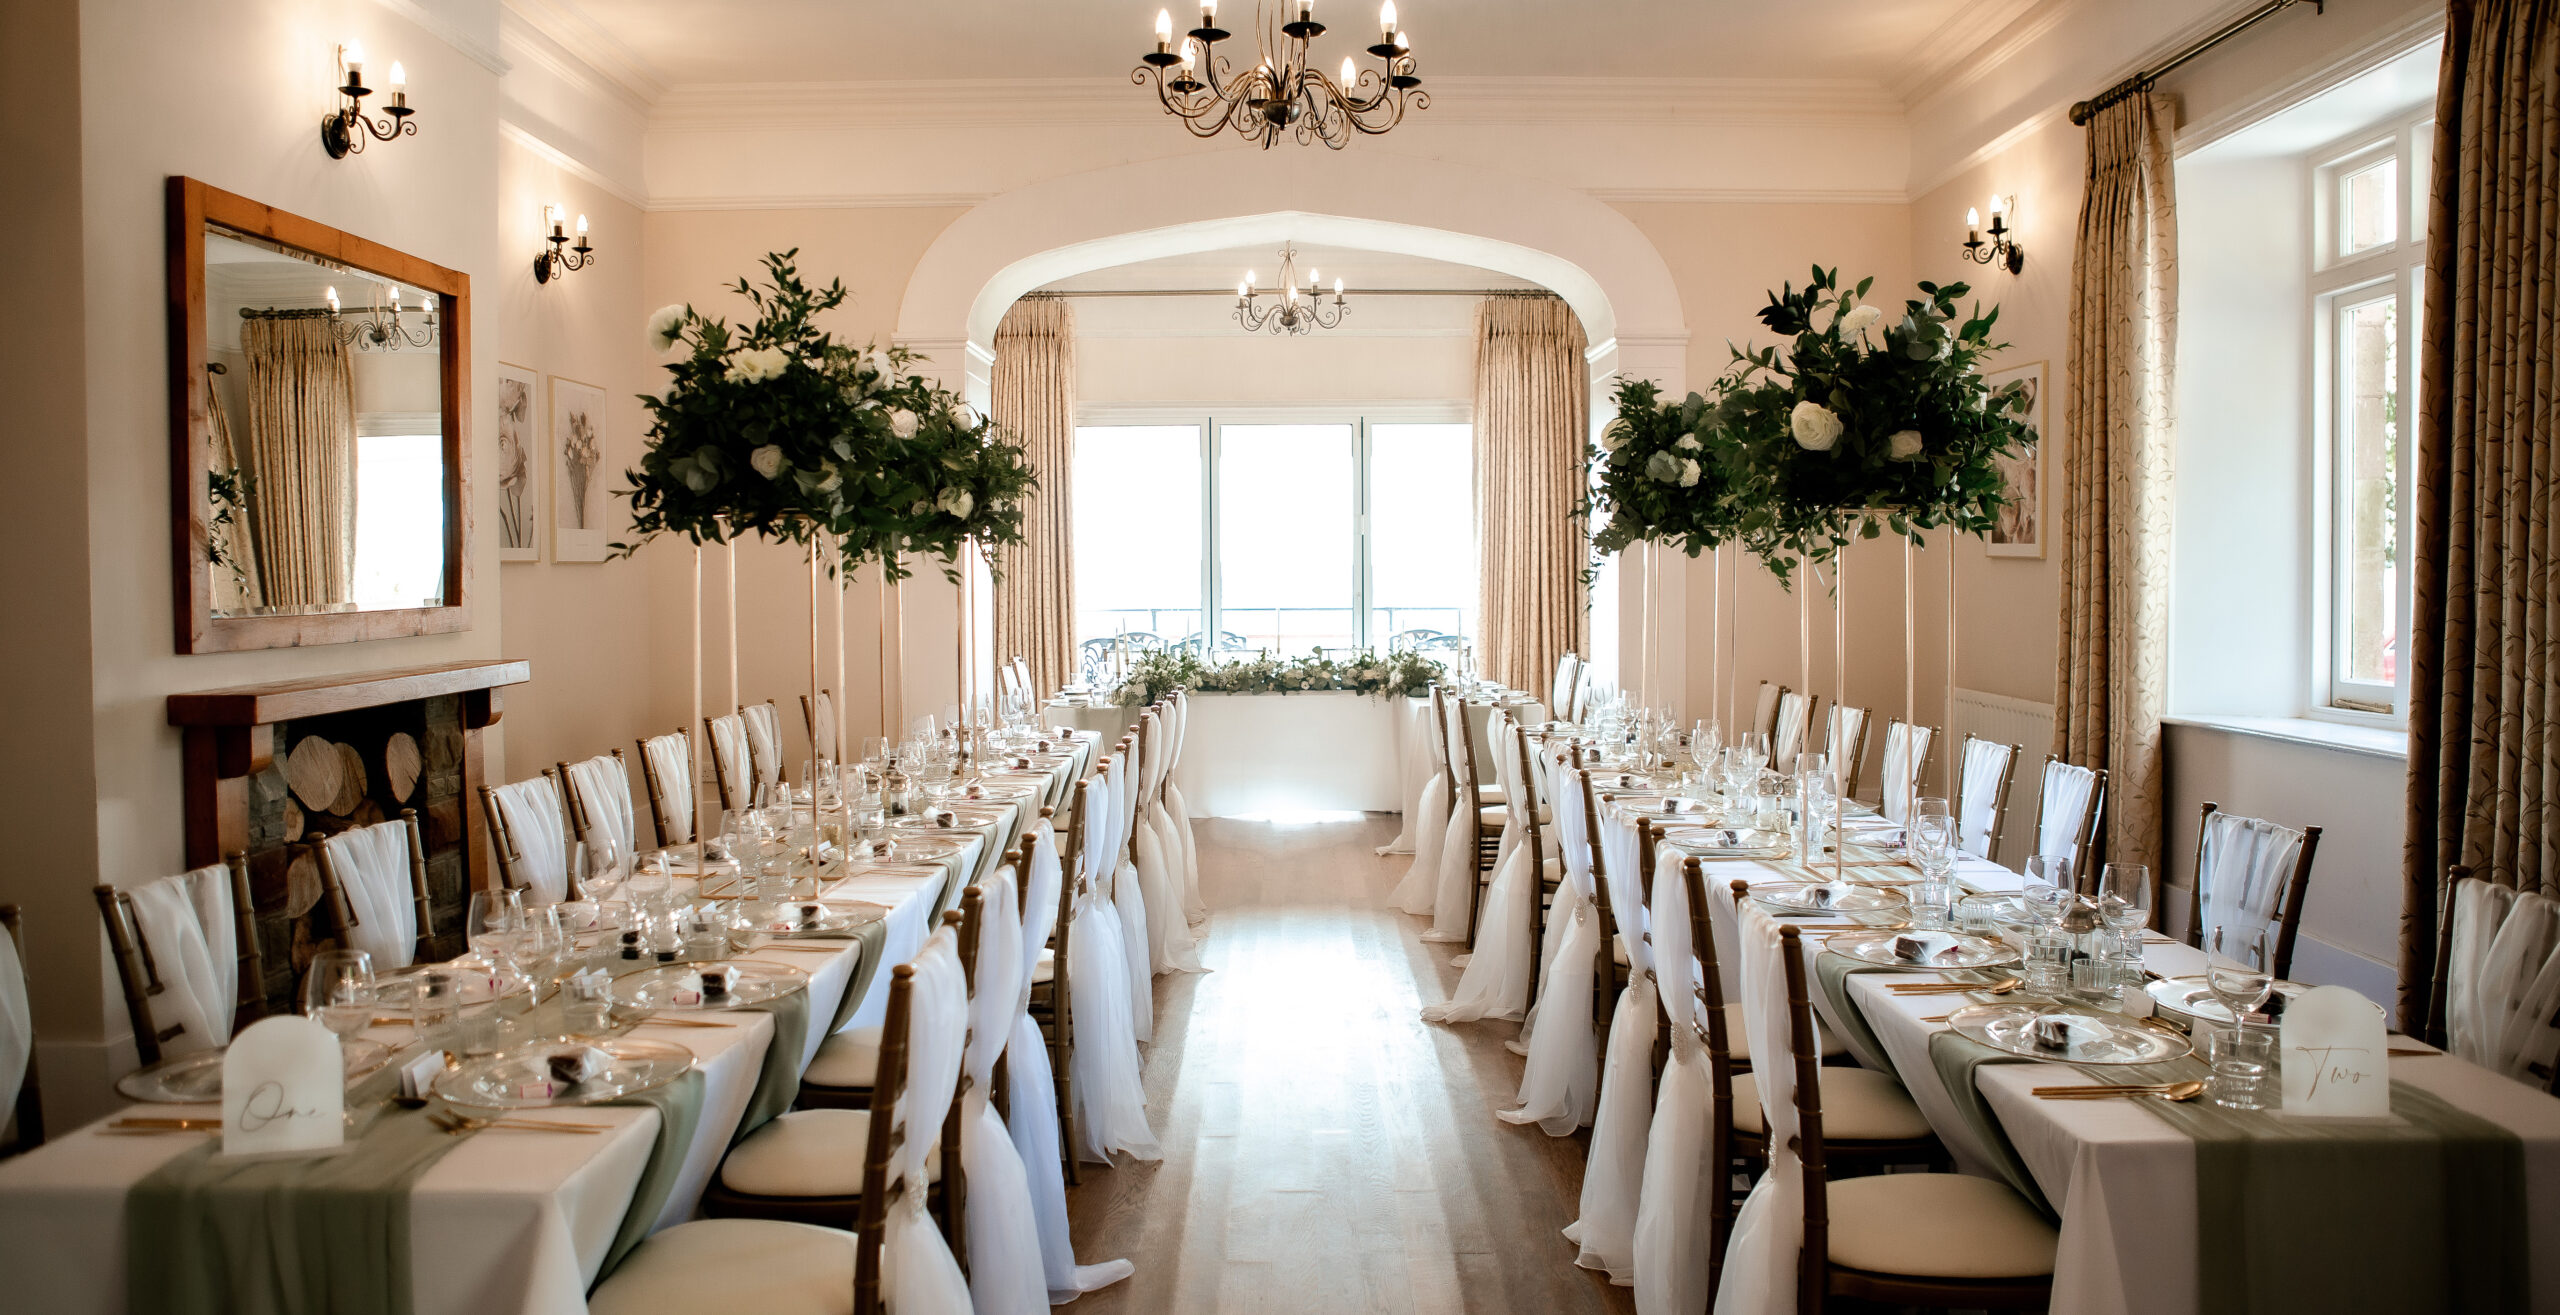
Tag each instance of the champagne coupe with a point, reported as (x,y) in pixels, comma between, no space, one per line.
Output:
(338,991)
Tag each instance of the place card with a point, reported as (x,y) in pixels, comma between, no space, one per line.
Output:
(2333,1056)
(284,1090)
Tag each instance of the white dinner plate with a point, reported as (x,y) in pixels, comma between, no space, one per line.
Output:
(2087,1038)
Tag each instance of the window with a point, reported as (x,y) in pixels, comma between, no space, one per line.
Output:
(2365,285)
(1296,533)
(399,520)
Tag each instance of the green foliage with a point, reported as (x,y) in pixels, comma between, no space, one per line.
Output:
(792,435)
(1402,675)
(228,493)
(1654,478)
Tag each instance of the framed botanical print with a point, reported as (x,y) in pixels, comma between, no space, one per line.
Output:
(520,462)
(2020,529)
(579,503)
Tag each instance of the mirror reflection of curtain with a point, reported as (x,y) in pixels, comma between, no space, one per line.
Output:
(235,576)
(302,460)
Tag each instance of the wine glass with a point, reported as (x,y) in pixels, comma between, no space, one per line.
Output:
(608,862)
(1933,847)
(2124,897)
(338,991)
(1755,749)
(2236,971)
(494,918)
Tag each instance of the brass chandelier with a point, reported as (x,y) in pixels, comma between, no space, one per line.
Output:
(1294,311)
(1284,91)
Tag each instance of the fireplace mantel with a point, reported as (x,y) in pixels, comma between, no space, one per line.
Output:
(230,737)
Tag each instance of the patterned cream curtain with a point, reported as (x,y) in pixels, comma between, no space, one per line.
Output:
(2484,694)
(302,460)
(1532,421)
(2112,670)
(235,577)
(1035,399)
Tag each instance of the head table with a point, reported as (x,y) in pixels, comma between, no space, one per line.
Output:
(512,1220)
(2122,1181)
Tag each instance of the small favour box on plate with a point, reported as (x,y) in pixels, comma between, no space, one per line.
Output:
(283,1090)
(2334,1057)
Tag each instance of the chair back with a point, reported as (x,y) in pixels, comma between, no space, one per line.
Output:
(24,1127)
(1795,715)
(1440,743)
(2253,873)
(732,768)
(1982,797)
(764,741)
(1560,692)
(666,769)
(2068,802)
(1693,1008)
(2499,980)
(1604,981)
(186,954)
(1845,741)
(1462,758)
(1804,1058)
(1581,694)
(376,881)
(922,1044)
(1906,754)
(597,798)
(1046,901)
(820,717)
(1764,713)
(531,834)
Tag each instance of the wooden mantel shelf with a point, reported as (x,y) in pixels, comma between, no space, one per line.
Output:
(314,696)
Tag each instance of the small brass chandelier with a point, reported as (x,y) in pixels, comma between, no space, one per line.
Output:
(1292,311)
(1283,91)
(379,327)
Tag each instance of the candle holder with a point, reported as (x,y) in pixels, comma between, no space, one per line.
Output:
(343,131)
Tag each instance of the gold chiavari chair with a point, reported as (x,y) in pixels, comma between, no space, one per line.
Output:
(2071,803)
(1053,1001)
(1486,830)
(585,813)
(764,741)
(1794,725)
(515,813)
(670,786)
(1906,756)
(138,972)
(1543,884)
(25,1128)
(1610,977)
(345,862)
(2257,855)
(1764,713)
(733,772)
(1844,741)
(1984,772)
(820,718)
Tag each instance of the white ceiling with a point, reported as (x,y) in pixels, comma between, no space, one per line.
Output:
(655,45)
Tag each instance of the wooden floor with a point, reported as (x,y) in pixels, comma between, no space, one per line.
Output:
(1325,1149)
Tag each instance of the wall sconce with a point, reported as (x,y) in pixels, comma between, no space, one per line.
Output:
(1998,247)
(557,260)
(343,131)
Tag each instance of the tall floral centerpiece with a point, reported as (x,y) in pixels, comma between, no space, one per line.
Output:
(1655,479)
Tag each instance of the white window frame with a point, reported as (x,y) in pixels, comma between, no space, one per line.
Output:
(2394,269)
(1212,420)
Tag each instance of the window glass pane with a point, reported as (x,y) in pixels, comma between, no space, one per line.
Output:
(1137,532)
(399,520)
(1286,537)
(1422,547)
(2369,420)
(2368,206)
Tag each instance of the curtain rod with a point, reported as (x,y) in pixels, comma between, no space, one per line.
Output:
(1230,292)
(2140,82)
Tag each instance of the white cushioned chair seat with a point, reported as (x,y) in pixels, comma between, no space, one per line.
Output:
(1858,1104)
(1044,970)
(1487,795)
(1499,816)
(1618,951)
(1738,1042)
(725,1266)
(850,1058)
(808,1153)
(1938,1225)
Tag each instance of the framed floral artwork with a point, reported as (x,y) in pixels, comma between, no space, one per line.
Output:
(2020,531)
(520,463)
(580,507)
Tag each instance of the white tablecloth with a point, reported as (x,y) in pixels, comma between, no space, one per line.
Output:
(2123,1180)
(507,1221)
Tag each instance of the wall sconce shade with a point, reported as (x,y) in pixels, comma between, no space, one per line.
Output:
(343,131)
(1997,247)
(564,257)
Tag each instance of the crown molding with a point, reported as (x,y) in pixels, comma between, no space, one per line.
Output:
(590,44)
(2033,23)
(464,41)
(1956,43)
(821,201)
(1749,195)
(527,138)
(1012,102)
(528,44)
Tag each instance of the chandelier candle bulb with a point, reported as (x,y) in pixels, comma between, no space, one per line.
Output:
(1164,30)
(1387,19)
(352,55)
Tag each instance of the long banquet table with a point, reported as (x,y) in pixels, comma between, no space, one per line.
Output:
(506,1220)
(2122,1180)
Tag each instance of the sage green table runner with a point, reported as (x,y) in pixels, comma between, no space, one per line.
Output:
(1833,971)
(679,1106)
(1956,1056)
(779,1082)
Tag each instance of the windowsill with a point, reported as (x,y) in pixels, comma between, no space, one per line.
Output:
(2371,741)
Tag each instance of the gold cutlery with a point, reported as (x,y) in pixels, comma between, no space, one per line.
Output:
(2173,1091)
(2411,1052)
(152,1123)
(2002,987)
(458,1124)
(798,949)
(661,1020)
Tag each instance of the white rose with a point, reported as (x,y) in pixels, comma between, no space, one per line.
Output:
(759,364)
(1816,428)
(902,422)
(1904,445)
(1688,473)
(767,460)
(1688,442)
(959,502)
(1613,436)
(1858,320)
(1663,466)
(663,323)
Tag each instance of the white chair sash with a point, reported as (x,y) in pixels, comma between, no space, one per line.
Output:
(1419,892)
(1005,1273)
(729,754)
(1495,980)
(185,924)
(1764,712)
(1194,907)
(1110,1100)
(372,867)
(2062,806)
(1457,886)
(1560,696)
(531,808)
(17,1025)
(764,742)
(918,1274)
(1671,1212)
(604,792)
(671,764)
(1613,1173)
(1760,1263)
(1560,1085)
(1129,898)
(1986,765)
(1844,726)
(822,734)
(2502,985)
(1905,747)
(1788,740)
(2243,865)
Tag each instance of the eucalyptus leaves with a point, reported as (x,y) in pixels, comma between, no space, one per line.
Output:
(1157,674)
(789,434)
(1856,427)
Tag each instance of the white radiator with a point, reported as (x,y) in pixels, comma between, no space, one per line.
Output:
(2020,722)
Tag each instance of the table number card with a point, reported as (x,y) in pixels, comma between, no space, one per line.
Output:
(2335,1064)
(284,1090)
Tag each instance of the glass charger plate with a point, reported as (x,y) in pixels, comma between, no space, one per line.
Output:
(2190,1000)
(1825,897)
(1962,950)
(196,1079)
(2090,1039)
(677,987)
(520,1079)
(1726,842)
(822,918)
(474,984)
(1662,808)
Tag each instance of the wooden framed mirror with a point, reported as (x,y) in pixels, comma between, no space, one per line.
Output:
(319,394)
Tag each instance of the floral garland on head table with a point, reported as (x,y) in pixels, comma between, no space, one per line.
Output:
(778,430)
(1843,434)
(1157,674)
